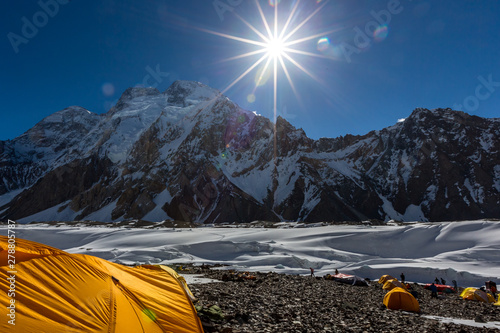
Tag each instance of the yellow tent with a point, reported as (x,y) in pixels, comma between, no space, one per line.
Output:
(475,294)
(391,284)
(400,299)
(49,290)
(384,278)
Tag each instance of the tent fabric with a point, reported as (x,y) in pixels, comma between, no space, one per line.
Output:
(391,284)
(56,291)
(441,288)
(400,299)
(384,278)
(475,294)
(349,279)
(181,280)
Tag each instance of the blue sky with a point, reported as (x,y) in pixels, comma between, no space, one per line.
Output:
(429,54)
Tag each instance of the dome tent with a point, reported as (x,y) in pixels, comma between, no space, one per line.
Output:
(56,291)
(384,278)
(400,299)
(475,294)
(391,284)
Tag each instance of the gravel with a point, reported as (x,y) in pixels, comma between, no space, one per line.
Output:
(290,303)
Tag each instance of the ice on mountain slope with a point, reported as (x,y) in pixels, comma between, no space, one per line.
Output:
(142,110)
(388,212)
(158,214)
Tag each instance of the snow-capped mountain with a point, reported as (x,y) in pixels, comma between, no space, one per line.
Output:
(191,154)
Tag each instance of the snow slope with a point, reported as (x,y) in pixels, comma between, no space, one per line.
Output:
(467,252)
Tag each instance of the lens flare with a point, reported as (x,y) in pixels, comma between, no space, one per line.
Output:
(108,89)
(323,44)
(273,3)
(262,76)
(381,33)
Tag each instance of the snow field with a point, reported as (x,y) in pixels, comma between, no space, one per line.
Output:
(467,252)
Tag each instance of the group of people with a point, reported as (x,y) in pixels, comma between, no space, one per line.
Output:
(312,271)
(436,281)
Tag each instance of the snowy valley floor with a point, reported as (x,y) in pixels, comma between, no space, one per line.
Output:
(468,252)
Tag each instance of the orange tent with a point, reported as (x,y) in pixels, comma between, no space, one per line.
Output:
(400,299)
(55,291)
(384,278)
(391,284)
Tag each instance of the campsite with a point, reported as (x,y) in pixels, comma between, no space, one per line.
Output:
(262,284)
(291,303)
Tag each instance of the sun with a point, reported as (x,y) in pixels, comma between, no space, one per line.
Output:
(275,48)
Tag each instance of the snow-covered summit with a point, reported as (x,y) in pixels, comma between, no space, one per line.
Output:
(58,131)
(185,93)
(131,94)
(72,114)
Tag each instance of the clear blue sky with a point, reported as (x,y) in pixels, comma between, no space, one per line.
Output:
(431,54)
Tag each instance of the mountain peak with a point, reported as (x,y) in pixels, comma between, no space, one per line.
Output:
(189,92)
(132,93)
(67,117)
(447,113)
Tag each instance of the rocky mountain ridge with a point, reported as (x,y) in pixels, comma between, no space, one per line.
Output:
(191,154)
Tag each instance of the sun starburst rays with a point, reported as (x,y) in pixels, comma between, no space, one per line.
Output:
(277,46)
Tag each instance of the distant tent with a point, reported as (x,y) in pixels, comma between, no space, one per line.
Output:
(349,279)
(384,278)
(391,284)
(477,295)
(57,291)
(400,299)
(441,288)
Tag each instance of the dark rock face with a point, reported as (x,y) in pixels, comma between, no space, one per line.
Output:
(60,185)
(191,154)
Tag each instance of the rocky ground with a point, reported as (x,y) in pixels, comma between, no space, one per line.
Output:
(290,303)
